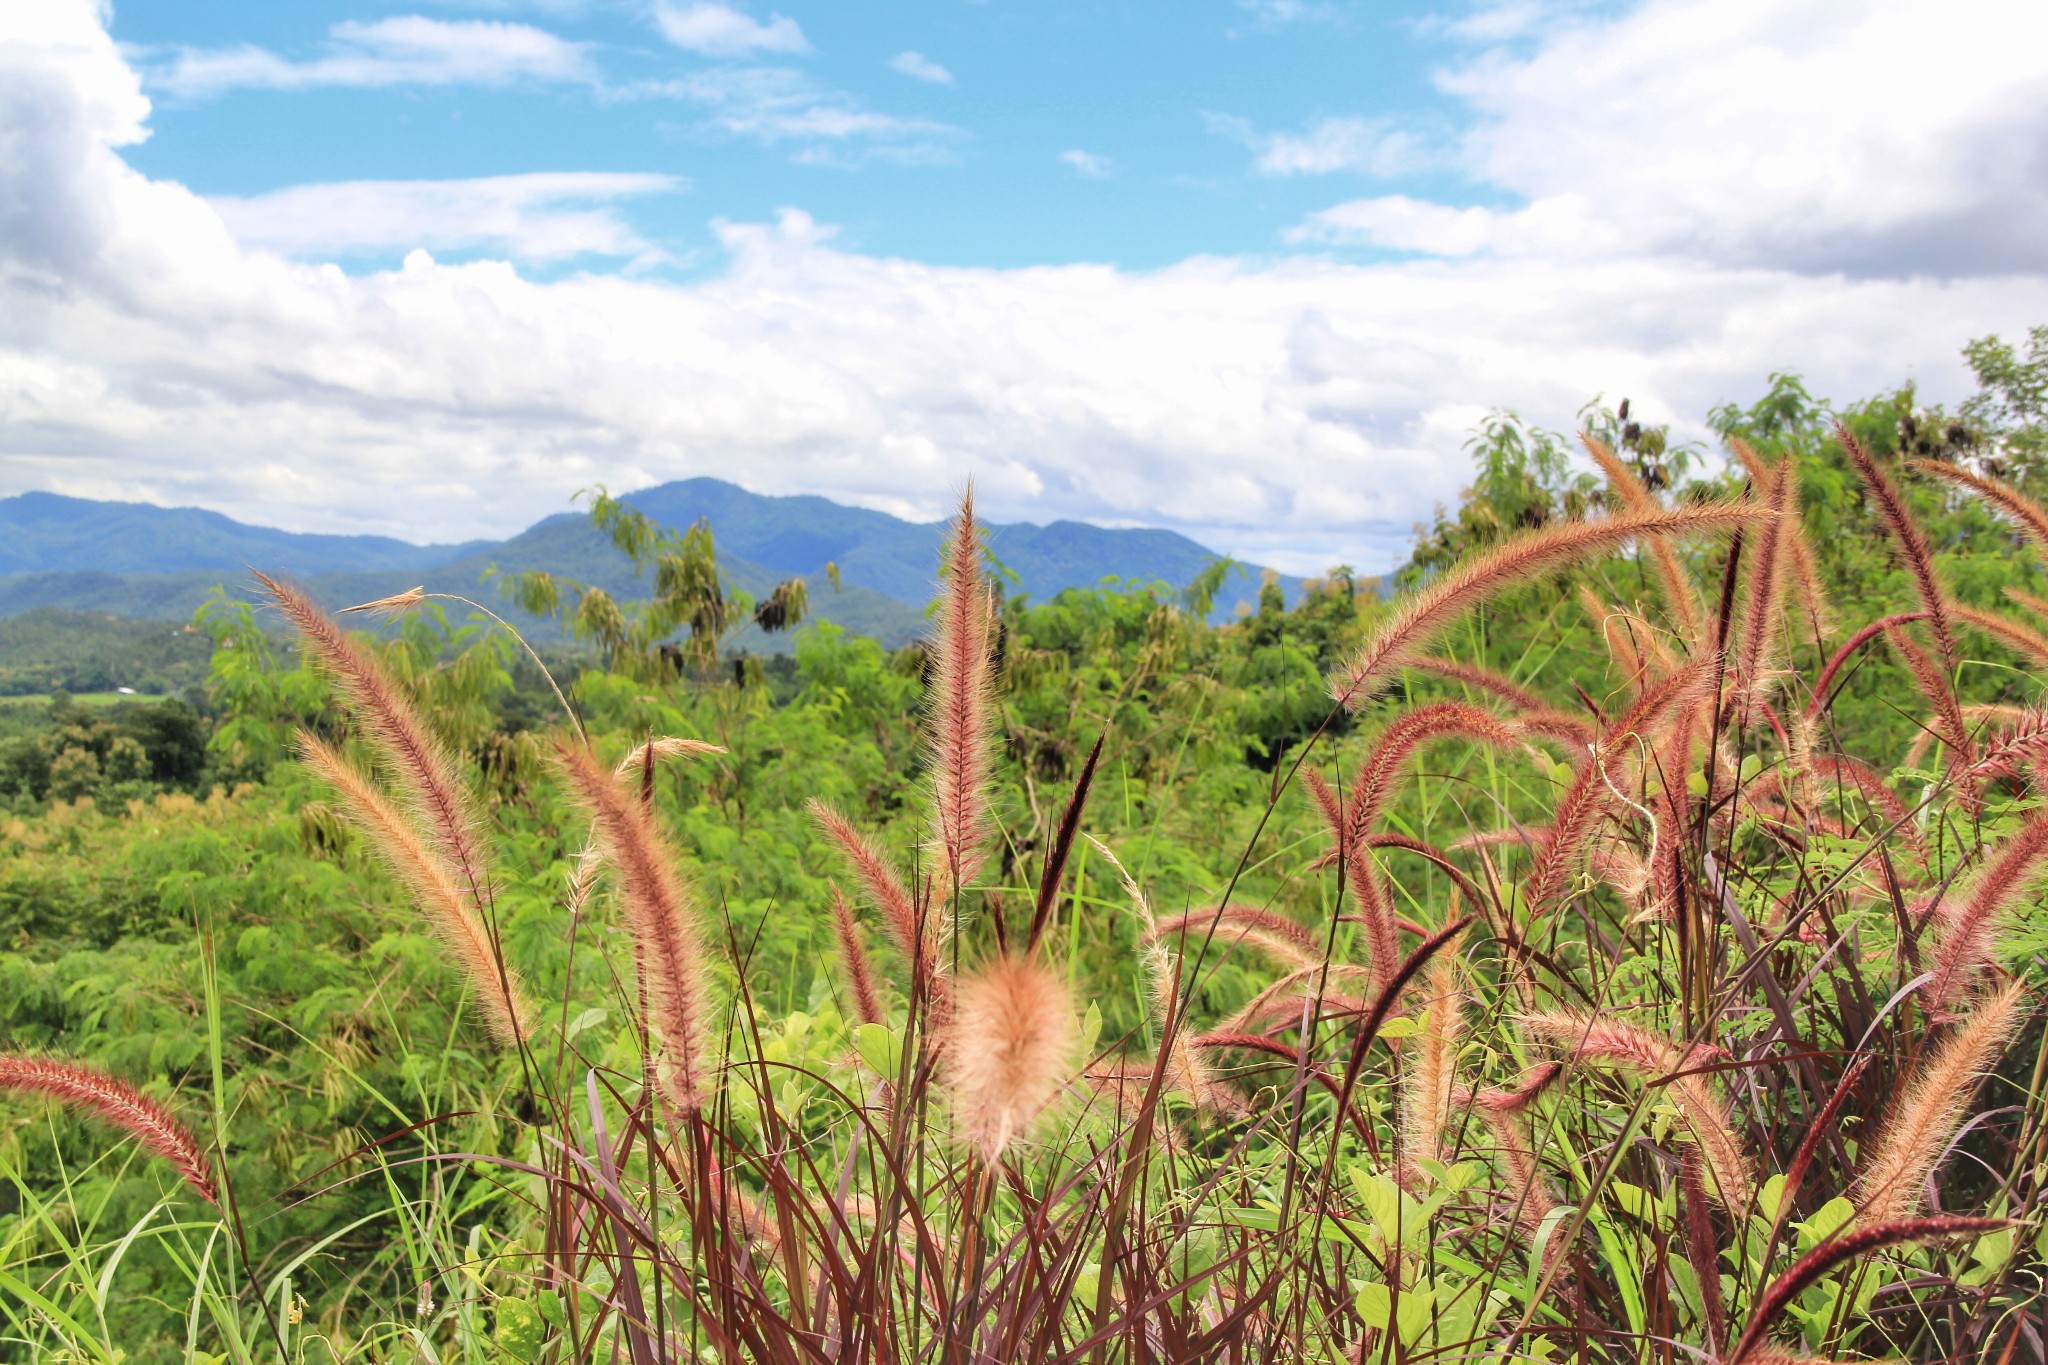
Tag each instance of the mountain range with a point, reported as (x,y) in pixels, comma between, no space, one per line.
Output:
(143,562)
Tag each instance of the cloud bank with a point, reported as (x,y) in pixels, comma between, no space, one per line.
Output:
(1673,239)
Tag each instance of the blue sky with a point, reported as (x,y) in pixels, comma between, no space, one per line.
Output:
(1250,271)
(998,134)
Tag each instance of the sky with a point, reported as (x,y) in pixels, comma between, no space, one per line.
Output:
(1248,269)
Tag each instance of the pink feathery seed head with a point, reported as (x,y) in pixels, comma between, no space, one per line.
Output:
(418,762)
(663,919)
(1651,1057)
(1328,802)
(2012,867)
(1591,791)
(1430,1076)
(1764,606)
(1407,630)
(116,1102)
(1009,1049)
(1266,930)
(1912,541)
(1933,684)
(1481,680)
(1515,1100)
(1843,771)
(2025,513)
(2021,639)
(1678,592)
(1405,734)
(449,911)
(1928,1108)
(860,975)
(961,710)
(1846,1247)
(913,933)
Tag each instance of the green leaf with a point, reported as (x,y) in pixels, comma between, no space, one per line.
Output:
(1826,1221)
(880,1048)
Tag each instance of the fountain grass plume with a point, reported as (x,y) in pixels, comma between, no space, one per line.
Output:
(1268,931)
(1968,931)
(114,1101)
(1409,628)
(1804,568)
(1846,1247)
(2021,639)
(419,764)
(914,932)
(2025,513)
(1009,1049)
(662,748)
(1671,576)
(1652,1058)
(1590,791)
(432,882)
(1763,613)
(960,711)
(1929,1107)
(860,975)
(1430,1070)
(663,920)
(1912,542)
(1480,679)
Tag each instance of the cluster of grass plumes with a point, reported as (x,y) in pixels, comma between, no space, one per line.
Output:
(1667,1027)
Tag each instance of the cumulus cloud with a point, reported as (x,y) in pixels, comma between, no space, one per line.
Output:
(1092,165)
(722,31)
(919,67)
(1293,411)
(403,50)
(543,216)
(1885,138)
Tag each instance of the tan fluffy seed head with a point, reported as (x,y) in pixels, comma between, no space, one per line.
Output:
(662,748)
(418,763)
(1917,1130)
(1407,630)
(663,919)
(1649,1056)
(1432,1063)
(433,884)
(1009,1049)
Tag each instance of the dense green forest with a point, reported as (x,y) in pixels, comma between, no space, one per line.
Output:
(185,905)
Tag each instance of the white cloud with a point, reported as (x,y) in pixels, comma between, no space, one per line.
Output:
(1296,412)
(1368,146)
(1889,137)
(1280,13)
(722,31)
(919,67)
(544,216)
(404,50)
(1092,165)
(780,104)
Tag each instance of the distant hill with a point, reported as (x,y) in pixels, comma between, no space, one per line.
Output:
(42,532)
(153,563)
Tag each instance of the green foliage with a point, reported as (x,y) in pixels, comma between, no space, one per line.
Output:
(689,593)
